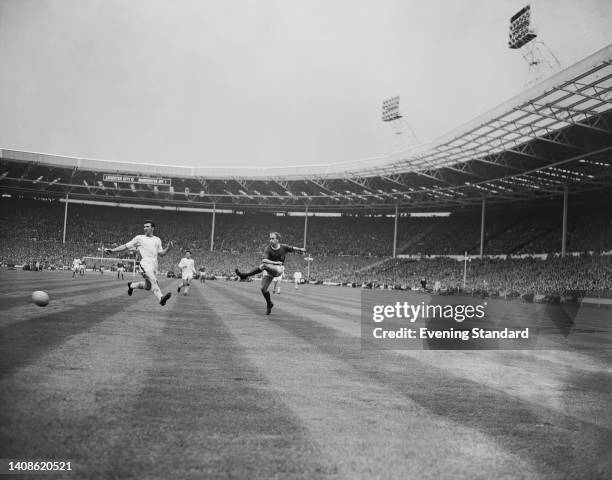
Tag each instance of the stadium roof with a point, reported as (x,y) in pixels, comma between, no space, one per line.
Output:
(554,135)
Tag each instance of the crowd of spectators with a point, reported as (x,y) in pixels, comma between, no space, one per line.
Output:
(514,232)
(569,276)
(347,249)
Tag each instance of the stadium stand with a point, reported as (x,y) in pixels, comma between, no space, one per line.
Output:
(349,249)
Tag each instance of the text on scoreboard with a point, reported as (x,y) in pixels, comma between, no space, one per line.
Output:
(137,179)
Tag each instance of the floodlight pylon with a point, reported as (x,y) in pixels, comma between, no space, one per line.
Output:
(404,136)
(541,60)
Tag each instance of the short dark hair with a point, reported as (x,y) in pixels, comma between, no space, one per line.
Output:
(149,221)
(187,251)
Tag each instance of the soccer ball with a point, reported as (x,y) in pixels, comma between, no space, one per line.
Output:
(40,298)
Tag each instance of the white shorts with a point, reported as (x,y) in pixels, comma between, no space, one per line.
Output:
(280,269)
(148,267)
(187,276)
(121,269)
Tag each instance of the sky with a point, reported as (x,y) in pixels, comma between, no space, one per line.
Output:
(263,83)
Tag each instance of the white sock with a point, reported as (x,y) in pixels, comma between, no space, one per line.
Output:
(156,291)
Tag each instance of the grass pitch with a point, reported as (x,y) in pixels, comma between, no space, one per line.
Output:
(211,387)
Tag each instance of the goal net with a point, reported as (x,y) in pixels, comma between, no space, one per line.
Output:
(110,264)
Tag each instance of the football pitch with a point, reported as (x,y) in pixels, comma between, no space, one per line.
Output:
(210,387)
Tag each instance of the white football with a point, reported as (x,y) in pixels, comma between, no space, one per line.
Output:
(40,298)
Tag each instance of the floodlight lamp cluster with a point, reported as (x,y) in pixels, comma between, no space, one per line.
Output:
(521,30)
(390,109)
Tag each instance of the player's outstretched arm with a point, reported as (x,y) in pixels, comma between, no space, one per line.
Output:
(110,251)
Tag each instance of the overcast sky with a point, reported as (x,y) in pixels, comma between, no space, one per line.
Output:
(262,82)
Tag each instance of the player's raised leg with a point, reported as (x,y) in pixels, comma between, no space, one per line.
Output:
(151,284)
(248,274)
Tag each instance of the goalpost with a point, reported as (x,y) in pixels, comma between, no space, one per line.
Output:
(110,263)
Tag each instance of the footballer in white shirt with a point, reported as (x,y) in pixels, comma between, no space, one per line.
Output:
(76,267)
(188,270)
(297,278)
(276,283)
(149,246)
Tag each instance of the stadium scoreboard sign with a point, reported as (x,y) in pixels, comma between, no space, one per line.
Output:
(137,179)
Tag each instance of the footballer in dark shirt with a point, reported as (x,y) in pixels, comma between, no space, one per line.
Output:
(272,265)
